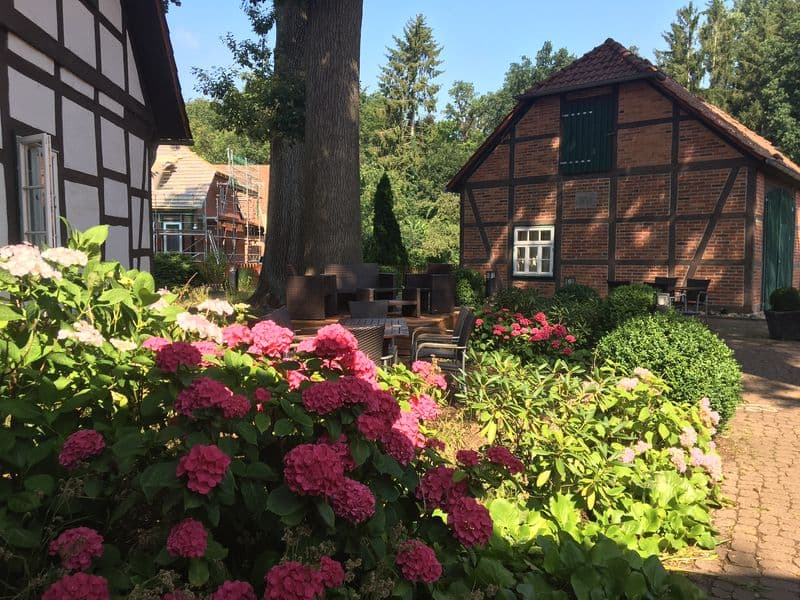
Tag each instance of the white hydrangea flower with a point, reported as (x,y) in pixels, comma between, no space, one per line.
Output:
(198,324)
(218,307)
(23,259)
(66,257)
(123,345)
(643,373)
(84,332)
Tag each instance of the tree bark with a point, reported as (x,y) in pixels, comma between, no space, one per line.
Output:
(284,237)
(331,174)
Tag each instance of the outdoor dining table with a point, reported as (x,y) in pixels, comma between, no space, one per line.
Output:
(392,327)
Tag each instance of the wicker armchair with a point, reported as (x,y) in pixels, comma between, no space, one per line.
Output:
(439,283)
(311,297)
(363,309)
(371,342)
(279,316)
(363,281)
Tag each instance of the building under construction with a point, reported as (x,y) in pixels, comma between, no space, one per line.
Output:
(201,208)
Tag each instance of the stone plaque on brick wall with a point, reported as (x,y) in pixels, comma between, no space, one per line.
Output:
(585,199)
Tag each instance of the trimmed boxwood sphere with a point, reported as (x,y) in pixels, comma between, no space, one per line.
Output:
(692,360)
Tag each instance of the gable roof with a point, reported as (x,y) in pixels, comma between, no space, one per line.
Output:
(181,179)
(152,49)
(610,63)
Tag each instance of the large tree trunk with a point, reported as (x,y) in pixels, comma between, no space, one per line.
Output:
(331,174)
(284,239)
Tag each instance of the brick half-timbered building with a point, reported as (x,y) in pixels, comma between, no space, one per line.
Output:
(87,90)
(610,170)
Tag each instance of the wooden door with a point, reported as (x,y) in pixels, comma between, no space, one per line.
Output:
(779,228)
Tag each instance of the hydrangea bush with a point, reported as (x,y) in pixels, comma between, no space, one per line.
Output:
(529,337)
(152,451)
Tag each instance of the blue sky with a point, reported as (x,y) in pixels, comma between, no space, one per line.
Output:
(479,38)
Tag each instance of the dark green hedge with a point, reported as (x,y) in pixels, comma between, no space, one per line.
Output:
(782,299)
(691,358)
(630,301)
(470,287)
(172,269)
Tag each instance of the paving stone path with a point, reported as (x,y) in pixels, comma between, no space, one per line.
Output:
(761,458)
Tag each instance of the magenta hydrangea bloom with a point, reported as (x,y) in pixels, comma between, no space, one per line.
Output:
(234,590)
(502,456)
(353,501)
(331,572)
(188,539)
(313,469)
(204,466)
(470,521)
(172,356)
(468,458)
(77,548)
(79,446)
(80,586)
(418,562)
(270,339)
(203,392)
(323,397)
(292,580)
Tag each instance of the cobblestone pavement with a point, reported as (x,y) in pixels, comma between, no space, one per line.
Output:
(760,556)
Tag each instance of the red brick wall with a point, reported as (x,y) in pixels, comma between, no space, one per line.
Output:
(494,167)
(796,270)
(697,142)
(535,203)
(599,186)
(643,195)
(644,146)
(639,101)
(492,205)
(595,276)
(584,240)
(542,118)
(698,191)
(642,241)
(536,157)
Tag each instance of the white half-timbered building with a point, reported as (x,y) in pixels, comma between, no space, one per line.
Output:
(88,88)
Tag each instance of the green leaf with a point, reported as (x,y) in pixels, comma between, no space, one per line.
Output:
(158,476)
(663,431)
(215,551)
(144,282)
(9,314)
(644,414)
(198,572)
(21,538)
(19,408)
(387,465)
(115,296)
(255,496)
(360,450)
(326,512)
(492,572)
(248,432)
(543,477)
(283,427)
(128,445)
(635,586)
(655,573)
(95,235)
(23,502)
(259,470)
(282,501)
(43,483)
(262,422)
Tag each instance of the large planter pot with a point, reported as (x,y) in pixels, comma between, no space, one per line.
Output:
(784,325)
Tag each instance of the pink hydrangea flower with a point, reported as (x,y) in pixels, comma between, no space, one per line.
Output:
(468,458)
(397,445)
(236,335)
(418,562)
(204,466)
(235,406)
(502,456)
(355,391)
(408,425)
(79,446)
(292,580)
(641,447)
(678,458)
(643,373)
(203,392)
(323,397)
(296,378)
(313,469)
(437,489)
(570,339)
(689,437)
(331,573)
(77,548)
(628,383)
(470,521)
(435,444)
(172,356)
(271,339)
(424,407)
(155,343)
(360,365)
(206,348)
(478,322)
(334,341)
(627,456)
(709,417)
(710,462)
(342,449)
(80,586)
(353,501)
(234,590)
(188,539)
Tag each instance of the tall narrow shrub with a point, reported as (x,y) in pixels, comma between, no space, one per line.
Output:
(389,248)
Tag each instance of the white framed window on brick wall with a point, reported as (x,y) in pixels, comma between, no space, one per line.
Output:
(534,250)
(38,190)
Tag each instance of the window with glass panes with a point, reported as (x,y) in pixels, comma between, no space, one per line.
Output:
(38,190)
(533,250)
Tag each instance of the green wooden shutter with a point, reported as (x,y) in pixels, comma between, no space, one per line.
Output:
(586,135)
(779,228)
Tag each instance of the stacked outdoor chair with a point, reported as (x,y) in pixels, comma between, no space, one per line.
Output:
(449,348)
(362,281)
(437,284)
(364,309)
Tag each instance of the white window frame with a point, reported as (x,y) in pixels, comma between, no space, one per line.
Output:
(533,251)
(165,225)
(48,188)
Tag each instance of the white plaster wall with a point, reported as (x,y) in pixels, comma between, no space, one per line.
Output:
(117,245)
(79,30)
(147,234)
(76,83)
(136,212)
(115,198)
(144,263)
(136,155)
(134,85)
(112,63)
(3,208)
(113,144)
(22,48)
(83,205)
(80,152)
(31,102)
(41,12)
(112,10)
(111,105)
